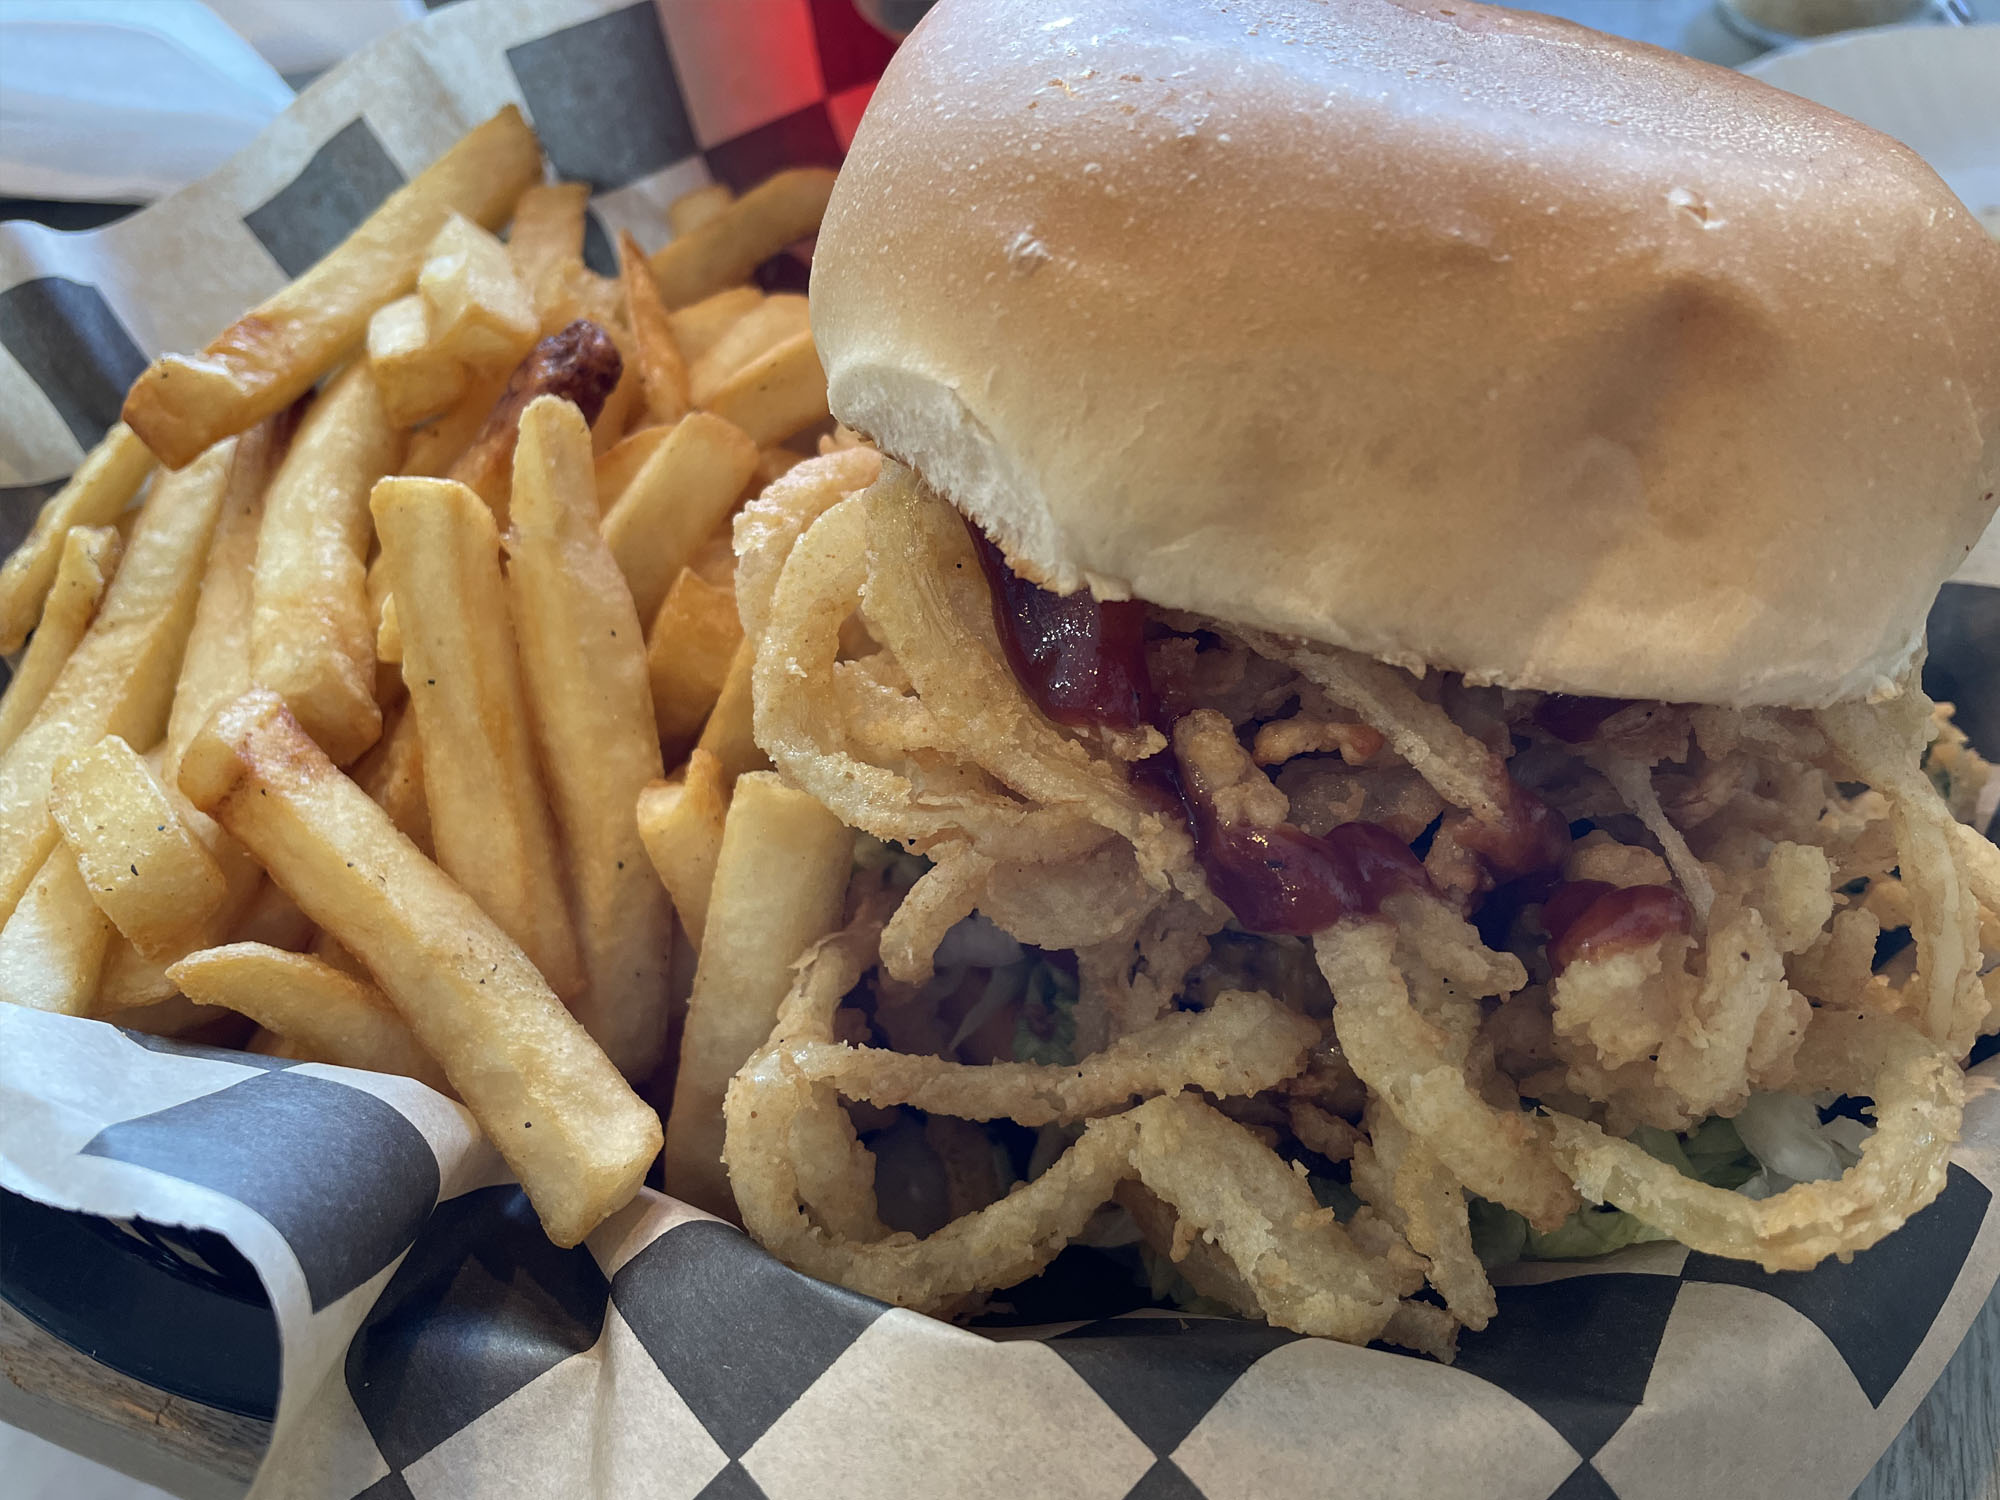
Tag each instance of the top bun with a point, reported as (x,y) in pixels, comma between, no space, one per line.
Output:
(1463,337)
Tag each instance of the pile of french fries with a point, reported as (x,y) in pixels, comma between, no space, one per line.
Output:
(357,656)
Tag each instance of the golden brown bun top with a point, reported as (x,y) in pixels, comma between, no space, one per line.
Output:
(1460,336)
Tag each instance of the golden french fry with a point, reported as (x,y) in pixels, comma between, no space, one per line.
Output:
(577,1137)
(675,502)
(690,211)
(779,885)
(780,210)
(417,377)
(312,638)
(438,445)
(144,868)
(773,321)
(699,325)
(663,373)
(680,823)
(52,947)
(478,312)
(688,655)
(617,467)
(780,392)
(548,228)
(328,1015)
(392,774)
(274,353)
(727,735)
(272,918)
(173,1014)
(215,667)
(490,819)
(130,981)
(89,555)
(583,661)
(120,676)
(96,495)
(389,627)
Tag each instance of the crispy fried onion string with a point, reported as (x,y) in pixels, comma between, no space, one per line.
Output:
(768,526)
(943,896)
(1300,1265)
(1633,781)
(927,601)
(798,721)
(1399,1175)
(1417,1067)
(1918,1093)
(1882,745)
(1241,1045)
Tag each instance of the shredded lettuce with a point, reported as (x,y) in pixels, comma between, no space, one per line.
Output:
(1046,1032)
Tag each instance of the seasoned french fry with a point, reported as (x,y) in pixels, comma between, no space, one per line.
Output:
(617,467)
(52,947)
(274,353)
(393,775)
(675,501)
(548,228)
(490,818)
(576,1136)
(312,638)
(437,446)
(215,667)
(690,211)
(325,1014)
(96,495)
(699,325)
(680,823)
(779,885)
(418,378)
(726,249)
(583,662)
(144,868)
(89,555)
(130,982)
(773,321)
(688,657)
(121,674)
(478,312)
(580,363)
(727,734)
(780,392)
(663,372)
(274,919)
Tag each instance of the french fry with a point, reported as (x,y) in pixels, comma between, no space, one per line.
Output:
(174,1015)
(663,372)
(690,211)
(675,501)
(277,351)
(130,982)
(418,378)
(575,1135)
(727,735)
(780,210)
(389,629)
(548,228)
(438,445)
(755,334)
(583,662)
(680,823)
(700,324)
(688,656)
(52,947)
(96,495)
(392,774)
(478,312)
(780,392)
(274,919)
(580,363)
(779,885)
(120,676)
(617,467)
(215,667)
(143,866)
(490,819)
(312,638)
(89,555)
(323,1013)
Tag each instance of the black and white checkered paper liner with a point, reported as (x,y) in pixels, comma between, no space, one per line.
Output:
(433,1343)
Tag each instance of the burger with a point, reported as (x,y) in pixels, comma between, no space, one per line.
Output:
(1368,606)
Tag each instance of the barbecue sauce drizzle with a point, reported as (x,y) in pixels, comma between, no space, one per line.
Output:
(1591,919)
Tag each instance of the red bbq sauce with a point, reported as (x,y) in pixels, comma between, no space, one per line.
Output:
(1572,719)
(1590,919)
(1082,659)
(1529,837)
